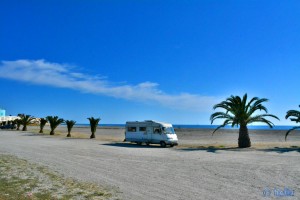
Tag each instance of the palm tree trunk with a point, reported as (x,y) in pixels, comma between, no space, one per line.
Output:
(41,130)
(69,134)
(24,128)
(244,139)
(93,135)
(52,132)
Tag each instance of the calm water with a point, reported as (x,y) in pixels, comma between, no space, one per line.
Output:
(202,126)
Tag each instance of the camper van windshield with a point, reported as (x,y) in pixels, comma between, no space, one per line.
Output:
(168,130)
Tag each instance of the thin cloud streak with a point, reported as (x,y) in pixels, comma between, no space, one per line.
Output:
(41,72)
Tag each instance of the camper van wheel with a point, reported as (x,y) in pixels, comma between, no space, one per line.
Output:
(139,143)
(171,145)
(147,143)
(163,144)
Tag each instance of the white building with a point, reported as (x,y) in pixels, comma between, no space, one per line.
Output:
(4,118)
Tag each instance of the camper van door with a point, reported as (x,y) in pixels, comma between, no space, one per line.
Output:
(148,134)
(157,134)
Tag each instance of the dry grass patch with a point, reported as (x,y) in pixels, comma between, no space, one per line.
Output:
(74,134)
(20,179)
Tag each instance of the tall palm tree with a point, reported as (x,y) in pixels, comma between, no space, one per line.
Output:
(25,120)
(295,117)
(70,124)
(43,122)
(239,112)
(54,122)
(93,123)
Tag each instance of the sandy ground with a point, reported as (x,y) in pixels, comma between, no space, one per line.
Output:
(190,171)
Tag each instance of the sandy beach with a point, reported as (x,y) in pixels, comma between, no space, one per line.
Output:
(201,167)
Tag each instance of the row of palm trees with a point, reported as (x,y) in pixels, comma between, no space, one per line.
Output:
(54,122)
(240,112)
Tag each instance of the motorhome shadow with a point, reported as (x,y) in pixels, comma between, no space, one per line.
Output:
(150,132)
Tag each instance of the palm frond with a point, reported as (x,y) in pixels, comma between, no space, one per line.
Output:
(261,118)
(239,112)
(270,115)
(268,122)
(293,113)
(223,104)
(219,115)
(26,119)
(294,116)
(244,102)
(250,102)
(70,123)
(297,120)
(226,122)
(294,128)
(257,105)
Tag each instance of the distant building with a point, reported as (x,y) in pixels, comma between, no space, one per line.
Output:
(2,112)
(5,119)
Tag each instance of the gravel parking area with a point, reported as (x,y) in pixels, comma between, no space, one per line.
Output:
(140,172)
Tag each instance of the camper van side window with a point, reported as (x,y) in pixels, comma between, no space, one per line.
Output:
(131,129)
(156,130)
(142,129)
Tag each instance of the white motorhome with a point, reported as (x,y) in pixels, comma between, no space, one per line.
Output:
(150,132)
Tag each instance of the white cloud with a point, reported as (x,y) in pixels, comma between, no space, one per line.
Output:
(61,75)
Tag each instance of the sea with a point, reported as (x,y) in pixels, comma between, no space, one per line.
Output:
(184,126)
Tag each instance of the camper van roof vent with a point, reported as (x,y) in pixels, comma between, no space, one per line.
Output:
(149,121)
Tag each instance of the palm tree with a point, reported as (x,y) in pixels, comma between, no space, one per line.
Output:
(296,118)
(18,122)
(13,124)
(25,120)
(43,122)
(240,113)
(54,122)
(70,124)
(93,123)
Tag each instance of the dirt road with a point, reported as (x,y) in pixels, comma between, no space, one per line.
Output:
(141,172)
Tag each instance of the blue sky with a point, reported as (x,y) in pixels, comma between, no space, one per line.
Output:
(135,60)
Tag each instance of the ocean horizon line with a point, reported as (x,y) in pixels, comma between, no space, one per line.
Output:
(195,126)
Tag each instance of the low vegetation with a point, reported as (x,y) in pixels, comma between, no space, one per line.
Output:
(22,180)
